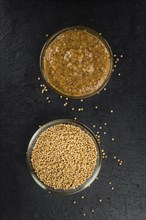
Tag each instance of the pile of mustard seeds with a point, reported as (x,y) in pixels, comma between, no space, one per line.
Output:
(64,156)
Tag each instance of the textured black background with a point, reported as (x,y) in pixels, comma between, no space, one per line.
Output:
(24,25)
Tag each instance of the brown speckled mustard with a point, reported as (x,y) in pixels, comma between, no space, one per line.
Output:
(76,63)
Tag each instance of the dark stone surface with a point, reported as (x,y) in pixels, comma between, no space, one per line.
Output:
(24,25)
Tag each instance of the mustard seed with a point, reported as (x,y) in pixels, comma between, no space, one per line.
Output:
(60,159)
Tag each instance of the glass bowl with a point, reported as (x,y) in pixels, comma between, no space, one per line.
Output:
(96,34)
(33,141)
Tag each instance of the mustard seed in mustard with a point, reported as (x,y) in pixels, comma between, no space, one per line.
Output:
(76,63)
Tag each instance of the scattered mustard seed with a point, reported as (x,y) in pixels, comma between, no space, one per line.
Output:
(92,210)
(39,78)
(82,197)
(105,89)
(115,157)
(100,200)
(96,107)
(81,100)
(111,111)
(113,139)
(121,56)
(74,202)
(72,109)
(94,126)
(113,188)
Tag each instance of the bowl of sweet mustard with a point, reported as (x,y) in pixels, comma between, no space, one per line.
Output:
(76,62)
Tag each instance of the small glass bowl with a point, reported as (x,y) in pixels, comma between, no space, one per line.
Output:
(33,141)
(52,38)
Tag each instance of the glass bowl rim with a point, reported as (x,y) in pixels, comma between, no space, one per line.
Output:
(50,40)
(33,141)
